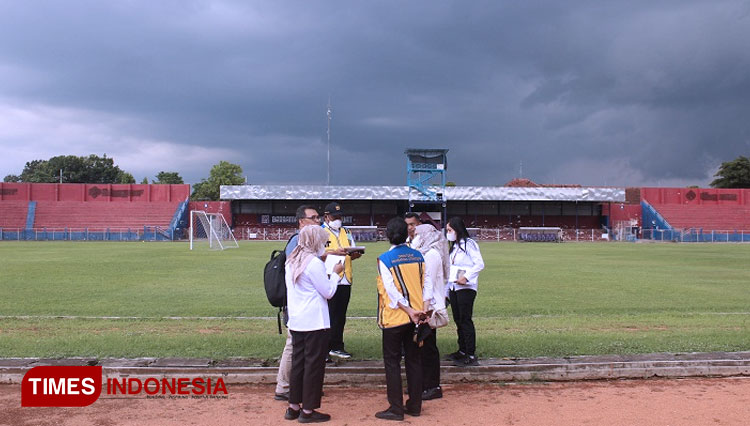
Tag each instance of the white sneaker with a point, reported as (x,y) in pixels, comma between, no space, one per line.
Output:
(340,354)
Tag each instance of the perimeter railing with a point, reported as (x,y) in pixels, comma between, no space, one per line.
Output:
(693,235)
(146,233)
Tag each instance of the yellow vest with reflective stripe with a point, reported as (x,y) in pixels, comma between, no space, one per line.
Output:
(407,269)
(337,242)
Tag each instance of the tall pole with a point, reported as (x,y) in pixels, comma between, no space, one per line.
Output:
(328,133)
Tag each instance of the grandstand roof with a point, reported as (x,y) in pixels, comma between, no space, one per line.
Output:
(401,193)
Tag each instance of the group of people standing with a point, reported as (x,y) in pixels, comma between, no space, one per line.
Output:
(422,270)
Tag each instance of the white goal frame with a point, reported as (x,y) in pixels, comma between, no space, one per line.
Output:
(211,228)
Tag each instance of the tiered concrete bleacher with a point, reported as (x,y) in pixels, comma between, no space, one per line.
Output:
(709,218)
(13,214)
(81,214)
(45,211)
(706,209)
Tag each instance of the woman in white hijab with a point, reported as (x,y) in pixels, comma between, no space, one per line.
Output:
(308,288)
(434,248)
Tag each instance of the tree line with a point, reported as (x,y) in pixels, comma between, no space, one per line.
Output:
(96,169)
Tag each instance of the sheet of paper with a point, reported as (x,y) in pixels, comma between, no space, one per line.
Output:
(331,261)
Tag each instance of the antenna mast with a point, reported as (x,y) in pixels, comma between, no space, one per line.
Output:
(328,134)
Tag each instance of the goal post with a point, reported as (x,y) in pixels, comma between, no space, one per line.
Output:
(210,230)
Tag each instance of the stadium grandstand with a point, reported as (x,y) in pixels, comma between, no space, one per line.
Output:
(519,211)
(492,212)
(48,211)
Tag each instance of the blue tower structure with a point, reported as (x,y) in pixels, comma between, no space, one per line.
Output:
(426,178)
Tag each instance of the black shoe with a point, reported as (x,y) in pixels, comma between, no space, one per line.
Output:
(284,396)
(314,417)
(413,413)
(410,410)
(455,356)
(432,393)
(291,414)
(467,361)
(389,415)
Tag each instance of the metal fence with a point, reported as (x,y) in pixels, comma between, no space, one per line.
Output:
(696,236)
(364,235)
(147,233)
(156,233)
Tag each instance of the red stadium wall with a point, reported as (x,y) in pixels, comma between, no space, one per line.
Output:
(93,192)
(622,213)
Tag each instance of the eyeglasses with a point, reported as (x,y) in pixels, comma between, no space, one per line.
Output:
(315,218)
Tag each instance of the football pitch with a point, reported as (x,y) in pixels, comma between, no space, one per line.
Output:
(101,299)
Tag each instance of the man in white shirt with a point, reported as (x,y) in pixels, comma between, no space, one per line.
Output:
(412,221)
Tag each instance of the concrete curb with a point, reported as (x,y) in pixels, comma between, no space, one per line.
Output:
(241,371)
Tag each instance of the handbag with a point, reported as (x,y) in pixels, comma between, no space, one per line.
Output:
(439,318)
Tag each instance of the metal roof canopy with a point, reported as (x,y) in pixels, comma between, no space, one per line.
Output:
(401,193)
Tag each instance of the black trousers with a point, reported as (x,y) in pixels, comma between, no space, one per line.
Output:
(309,350)
(462,305)
(337,306)
(430,362)
(394,339)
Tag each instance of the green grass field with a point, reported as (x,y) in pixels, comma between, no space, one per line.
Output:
(534,300)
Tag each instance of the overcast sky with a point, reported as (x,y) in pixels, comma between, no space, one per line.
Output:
(626,93)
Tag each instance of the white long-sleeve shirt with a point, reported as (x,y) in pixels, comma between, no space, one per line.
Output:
(470,260)
(434,283)
(307,299)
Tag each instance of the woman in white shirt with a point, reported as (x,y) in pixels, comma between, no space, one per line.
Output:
(434,248)
(308,289)
(466,263)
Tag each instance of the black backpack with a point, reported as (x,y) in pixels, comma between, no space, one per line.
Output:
(274,281)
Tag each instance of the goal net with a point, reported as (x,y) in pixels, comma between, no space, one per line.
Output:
(210,230)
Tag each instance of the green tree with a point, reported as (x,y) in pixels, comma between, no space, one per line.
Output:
(125,177)
(91,169)
(168,178)
(733,174)
(224,173)
(144,181)
(12,178)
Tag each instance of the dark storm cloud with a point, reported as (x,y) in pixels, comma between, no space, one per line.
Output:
(590,92)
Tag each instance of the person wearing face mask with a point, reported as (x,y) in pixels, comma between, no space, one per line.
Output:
(434,248)
(465,264)
(308,287)
(338,239)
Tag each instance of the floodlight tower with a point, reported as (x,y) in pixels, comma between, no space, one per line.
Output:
(425,177)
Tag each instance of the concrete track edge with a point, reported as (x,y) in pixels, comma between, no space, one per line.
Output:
(240,371)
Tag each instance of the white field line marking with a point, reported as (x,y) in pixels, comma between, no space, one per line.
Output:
(25,317)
